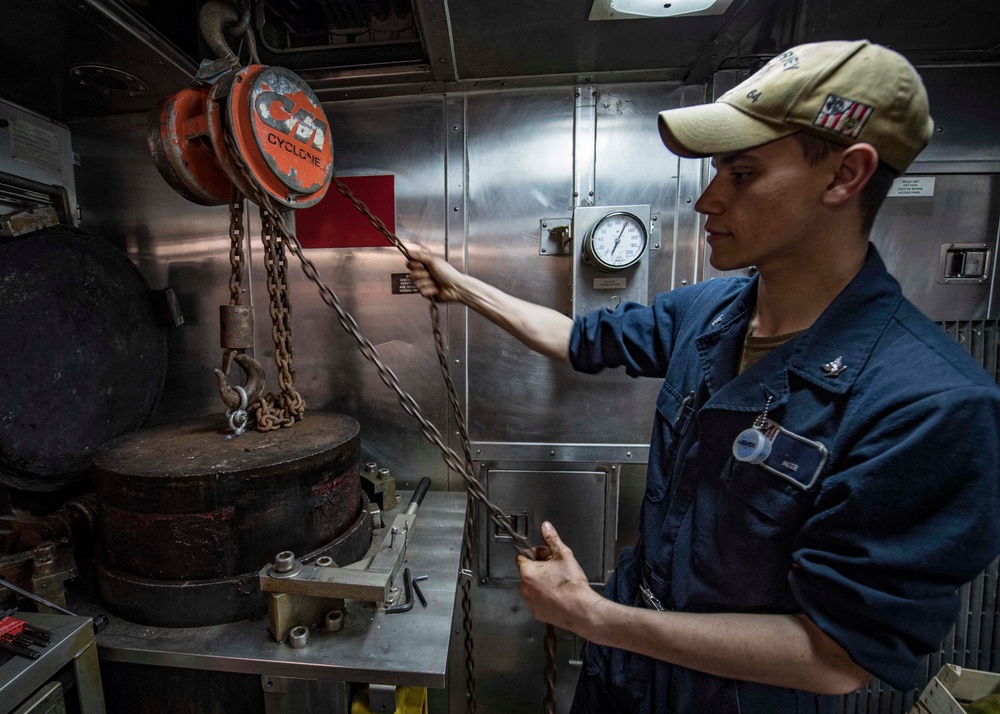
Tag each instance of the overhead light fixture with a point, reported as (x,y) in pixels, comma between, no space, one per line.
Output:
(638,9)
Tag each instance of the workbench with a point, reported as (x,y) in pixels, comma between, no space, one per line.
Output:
(405,649)
(25,682)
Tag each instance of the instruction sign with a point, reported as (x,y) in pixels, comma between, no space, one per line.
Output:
(34,145)
(402,285)
(911,186)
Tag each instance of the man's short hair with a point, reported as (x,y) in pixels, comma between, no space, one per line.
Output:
(816,148)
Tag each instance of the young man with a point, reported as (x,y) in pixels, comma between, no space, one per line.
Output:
(823,466)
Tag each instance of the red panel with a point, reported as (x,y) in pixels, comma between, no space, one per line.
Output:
(334,222)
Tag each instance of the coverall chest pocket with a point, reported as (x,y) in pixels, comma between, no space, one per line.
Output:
(773,503)
(673,416)
(780,487)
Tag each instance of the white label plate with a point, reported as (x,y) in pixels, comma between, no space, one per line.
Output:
(36,146)
(609,283)
(912,186)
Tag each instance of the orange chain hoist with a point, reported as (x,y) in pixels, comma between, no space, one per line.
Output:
(254,131)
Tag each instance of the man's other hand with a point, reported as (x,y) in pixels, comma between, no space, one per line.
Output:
(434,277)
(556,588)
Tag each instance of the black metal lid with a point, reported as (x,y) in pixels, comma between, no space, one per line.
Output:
(83,354)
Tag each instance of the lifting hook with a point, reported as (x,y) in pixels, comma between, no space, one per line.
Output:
(254,385)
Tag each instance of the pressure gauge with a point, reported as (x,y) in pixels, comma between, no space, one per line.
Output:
(617,241)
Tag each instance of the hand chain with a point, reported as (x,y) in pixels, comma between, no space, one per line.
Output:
(464,467)
(473,491)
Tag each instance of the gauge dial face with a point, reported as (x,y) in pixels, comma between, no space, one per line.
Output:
(617,241)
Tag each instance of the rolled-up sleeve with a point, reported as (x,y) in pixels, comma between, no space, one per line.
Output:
(634,336)
(909,518)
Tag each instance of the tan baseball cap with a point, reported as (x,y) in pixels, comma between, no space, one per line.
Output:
(847,92)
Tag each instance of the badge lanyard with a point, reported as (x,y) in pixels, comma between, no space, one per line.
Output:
(753,446)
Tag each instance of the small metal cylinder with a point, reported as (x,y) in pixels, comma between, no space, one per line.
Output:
(334,621)
(236,327)
(324,561)
(284,561)
(371,467)
(384,474)
(298,637)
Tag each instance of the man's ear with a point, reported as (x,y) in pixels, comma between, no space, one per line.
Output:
(856,165)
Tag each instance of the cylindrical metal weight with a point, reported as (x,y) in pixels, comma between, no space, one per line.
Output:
(184,508)
(236,327)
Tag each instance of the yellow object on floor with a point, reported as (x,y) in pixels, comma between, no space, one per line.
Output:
(409,700)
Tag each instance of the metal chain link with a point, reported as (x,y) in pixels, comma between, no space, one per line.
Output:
(462,466)
(236,236)
(549,704)
(276,410)
(273,410)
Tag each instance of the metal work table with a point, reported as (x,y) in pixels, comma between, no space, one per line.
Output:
(72,641)
(405,649)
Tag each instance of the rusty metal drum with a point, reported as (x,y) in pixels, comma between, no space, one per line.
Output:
(189,514)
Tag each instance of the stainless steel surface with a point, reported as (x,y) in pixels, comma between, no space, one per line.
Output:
(965,105)
(409,649)
(286,695)
(911,232)
(581,501)
(525,161)
(72,644)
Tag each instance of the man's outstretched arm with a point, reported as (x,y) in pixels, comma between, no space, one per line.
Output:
(541,328)
(780,650)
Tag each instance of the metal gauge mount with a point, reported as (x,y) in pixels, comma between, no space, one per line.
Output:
(615,242)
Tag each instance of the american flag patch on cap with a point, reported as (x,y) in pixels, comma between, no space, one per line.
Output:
(843,116)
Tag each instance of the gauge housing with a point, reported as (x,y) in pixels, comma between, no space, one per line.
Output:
(616,241)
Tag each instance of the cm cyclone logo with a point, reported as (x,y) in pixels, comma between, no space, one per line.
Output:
(291,130)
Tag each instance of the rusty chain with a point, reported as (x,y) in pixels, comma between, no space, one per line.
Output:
(236,237)
(549,704)
(273,410)
(277,237)
(278,409)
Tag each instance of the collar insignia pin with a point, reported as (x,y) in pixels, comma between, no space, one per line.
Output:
(835,368)
(717,320)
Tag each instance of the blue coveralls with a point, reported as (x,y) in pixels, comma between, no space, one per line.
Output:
(870,539)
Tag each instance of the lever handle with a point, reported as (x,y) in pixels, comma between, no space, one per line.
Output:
(418,495)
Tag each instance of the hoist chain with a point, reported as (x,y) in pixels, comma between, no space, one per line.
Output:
(275,410)
(236,236)
(275,227)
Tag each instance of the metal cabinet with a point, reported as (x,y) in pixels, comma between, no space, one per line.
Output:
(580,500)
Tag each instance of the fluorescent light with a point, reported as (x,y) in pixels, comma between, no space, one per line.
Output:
(635,9)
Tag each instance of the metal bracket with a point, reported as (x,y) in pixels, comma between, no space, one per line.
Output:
(382,697)
(555,236)
(369,579)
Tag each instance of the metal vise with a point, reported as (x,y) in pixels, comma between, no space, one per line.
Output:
(308,594)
